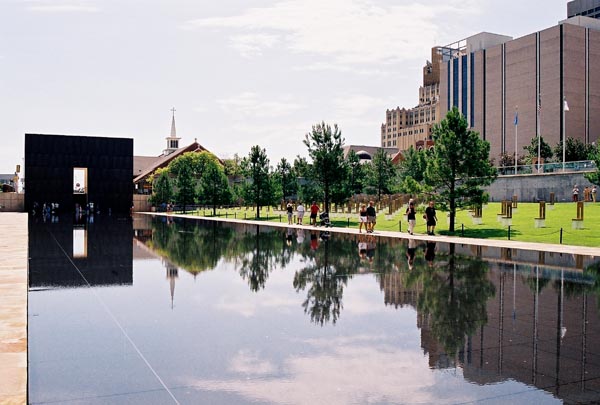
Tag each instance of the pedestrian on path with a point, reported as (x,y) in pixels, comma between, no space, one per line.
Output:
(300,210)
(362,218)
(371,217)
(411,215)
(431,218)
(314,210)
(290,211)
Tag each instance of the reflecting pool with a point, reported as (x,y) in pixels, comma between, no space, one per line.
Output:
(158,311)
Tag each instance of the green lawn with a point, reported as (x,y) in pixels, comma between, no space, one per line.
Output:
(522,228)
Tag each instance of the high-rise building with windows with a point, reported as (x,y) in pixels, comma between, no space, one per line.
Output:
(491,78)
(584,8)
(403,127)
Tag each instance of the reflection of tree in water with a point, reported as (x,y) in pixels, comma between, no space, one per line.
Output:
(455,294)
(189,246)
(332,265)
(259,253)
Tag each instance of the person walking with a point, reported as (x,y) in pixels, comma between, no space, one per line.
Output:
(575,192)
(431,218)
(362,218)
(290,211)
(300,210)
(411,215)
(314,210)
(594,191)
(371,217)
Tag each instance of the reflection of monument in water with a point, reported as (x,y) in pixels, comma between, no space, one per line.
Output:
(542,330)
(101,251)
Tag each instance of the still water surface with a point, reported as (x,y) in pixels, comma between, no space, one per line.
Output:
(150,311)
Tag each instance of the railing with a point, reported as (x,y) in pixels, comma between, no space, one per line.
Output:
(554,167)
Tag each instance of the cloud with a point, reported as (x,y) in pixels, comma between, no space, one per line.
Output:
(347,371)
(324,66)
(347,31)
(251,45)
(66,6)
(248,362)
(249,104)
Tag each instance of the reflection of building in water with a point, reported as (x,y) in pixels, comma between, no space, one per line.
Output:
(542,329)
(55,250)
(395,292)
(172,275)
(541,336)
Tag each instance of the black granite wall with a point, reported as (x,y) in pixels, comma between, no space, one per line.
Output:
(49,163)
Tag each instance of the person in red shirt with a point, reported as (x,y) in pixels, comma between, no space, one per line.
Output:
(314,210)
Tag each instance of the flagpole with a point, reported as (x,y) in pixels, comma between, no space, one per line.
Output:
(564,137)
(516,131)
(539,158)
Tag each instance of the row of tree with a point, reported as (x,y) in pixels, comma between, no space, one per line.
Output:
(453,173)
(200,178)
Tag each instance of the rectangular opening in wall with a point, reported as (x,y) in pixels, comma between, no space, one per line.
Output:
(80,180)
(79,243)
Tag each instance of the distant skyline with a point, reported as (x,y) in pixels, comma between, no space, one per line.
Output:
(239,73)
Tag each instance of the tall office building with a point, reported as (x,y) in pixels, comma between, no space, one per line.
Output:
(403,127)
(491,78)
(584,8)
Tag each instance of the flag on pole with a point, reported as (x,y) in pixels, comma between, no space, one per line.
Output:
(516,121)
(565,105)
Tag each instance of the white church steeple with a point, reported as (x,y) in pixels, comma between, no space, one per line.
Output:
(172,140)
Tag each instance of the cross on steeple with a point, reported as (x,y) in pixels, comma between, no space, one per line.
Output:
(172,140)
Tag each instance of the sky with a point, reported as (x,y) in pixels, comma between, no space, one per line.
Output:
(238,72)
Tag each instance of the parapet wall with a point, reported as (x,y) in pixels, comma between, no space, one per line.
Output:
(536,187)
(12,202)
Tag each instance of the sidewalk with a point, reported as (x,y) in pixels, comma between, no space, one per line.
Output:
(13,308)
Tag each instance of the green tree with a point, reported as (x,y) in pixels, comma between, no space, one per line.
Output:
(411,171)
(575,150)
(325,148)
(232,166)
(594,155)
(356,173)
(286,178)
(381,173)
(308,189)
(532,149)
(214,187)
(194,161)
(258,187)
(186,186)
(162,189)
(459,165)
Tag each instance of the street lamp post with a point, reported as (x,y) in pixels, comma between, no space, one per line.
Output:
(564,140)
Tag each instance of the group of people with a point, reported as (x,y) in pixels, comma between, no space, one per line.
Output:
(314,211)
(588,194)
(429,216)
(368,217)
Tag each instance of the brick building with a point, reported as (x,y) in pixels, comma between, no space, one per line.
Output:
(403,127)
(490,77)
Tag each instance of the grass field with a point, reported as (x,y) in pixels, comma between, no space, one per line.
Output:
(522,227)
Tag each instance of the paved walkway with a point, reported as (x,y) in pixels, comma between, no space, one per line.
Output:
(13,308)
(538,247)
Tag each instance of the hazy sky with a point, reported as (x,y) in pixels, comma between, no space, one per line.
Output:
(239,72)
